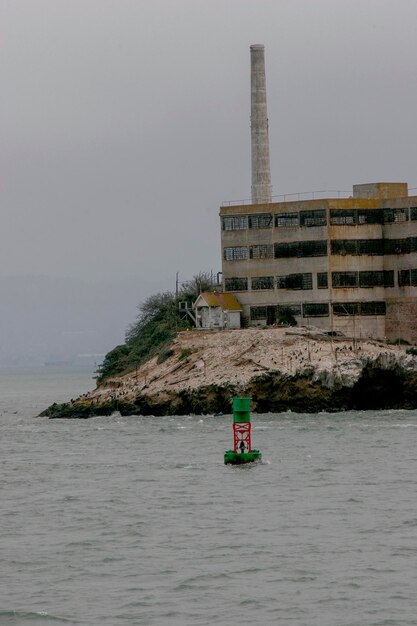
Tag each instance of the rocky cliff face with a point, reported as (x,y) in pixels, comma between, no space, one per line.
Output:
(298,369)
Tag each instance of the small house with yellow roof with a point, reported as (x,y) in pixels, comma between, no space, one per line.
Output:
(215,310)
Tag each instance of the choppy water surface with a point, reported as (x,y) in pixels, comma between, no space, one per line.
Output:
(134,520)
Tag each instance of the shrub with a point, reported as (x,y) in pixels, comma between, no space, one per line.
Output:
(184,354)
(164,355)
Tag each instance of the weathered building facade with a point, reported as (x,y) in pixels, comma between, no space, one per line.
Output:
(343,264)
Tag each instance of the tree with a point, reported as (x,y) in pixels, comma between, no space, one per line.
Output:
(155,327)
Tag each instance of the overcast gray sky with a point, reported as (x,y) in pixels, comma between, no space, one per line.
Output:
(125,123)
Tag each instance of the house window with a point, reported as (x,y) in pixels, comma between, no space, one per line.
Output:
(322,280)
(263,282)
(316,309)
(344,279)
(236,284)
(413,278)
(285,220)
(235,222)
(258,312)
(313,218)
(261,252)
(413,213)
(342,217)
(237,253)
(260,220)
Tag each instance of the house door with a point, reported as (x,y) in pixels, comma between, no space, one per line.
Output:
(271,315)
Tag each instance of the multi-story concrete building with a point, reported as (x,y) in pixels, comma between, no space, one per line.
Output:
(347,264)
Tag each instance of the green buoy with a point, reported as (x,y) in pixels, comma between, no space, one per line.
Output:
(242,448)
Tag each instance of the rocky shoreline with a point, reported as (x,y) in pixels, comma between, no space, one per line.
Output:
(299,369)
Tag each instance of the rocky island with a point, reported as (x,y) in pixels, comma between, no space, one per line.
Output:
(301,369)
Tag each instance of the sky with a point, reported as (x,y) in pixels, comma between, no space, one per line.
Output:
(125,124)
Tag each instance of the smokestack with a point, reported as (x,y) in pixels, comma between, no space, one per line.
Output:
(261,171)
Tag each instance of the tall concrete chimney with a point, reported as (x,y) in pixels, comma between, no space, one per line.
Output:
(261,171)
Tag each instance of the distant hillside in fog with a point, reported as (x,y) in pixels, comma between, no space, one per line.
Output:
(44,319)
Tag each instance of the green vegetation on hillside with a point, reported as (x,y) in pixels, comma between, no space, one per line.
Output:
(156,326)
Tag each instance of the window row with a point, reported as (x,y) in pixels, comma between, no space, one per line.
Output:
(373,246)
(292,249)
(267,220)
(318,217)
(290,281)
(277,251)
(354,217)
(343,280)
(363,279)
(319,309)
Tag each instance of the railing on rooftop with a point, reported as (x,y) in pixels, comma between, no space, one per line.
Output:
(302,195)
(299,195)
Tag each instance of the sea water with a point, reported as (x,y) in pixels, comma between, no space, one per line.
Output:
(132,520)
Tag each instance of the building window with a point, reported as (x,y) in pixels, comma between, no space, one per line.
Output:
(313,218)
(263,282)
(371,279)
(371,247)
(316,309)
(372,308)
(293,309)
(235,222)
(397,246)
(322,280)
(237,253)
(404,278)
(407,278)
(260,220)
(388,278)
(345,279)
(258,312)
(236,284)
(313,248)
(357,246)
(346,308)
(261,252)
(359,308)
(284,220)
(392,216)
(295,281)
(343,217)
(413,213)
(301,249)
(285,250)
(369,216)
